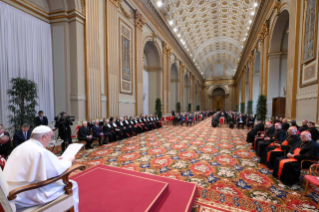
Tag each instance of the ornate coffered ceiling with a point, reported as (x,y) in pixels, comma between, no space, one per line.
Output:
(212,31)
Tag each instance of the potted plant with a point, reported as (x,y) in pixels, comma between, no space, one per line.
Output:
(189,107)
(23,94)
(178,107)
(198,108)
(242,107)
(158,108)
(237,108)
(261,108)
(250,107)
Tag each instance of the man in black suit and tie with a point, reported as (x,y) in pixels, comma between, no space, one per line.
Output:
(85,135)
(22,135)
(41,120)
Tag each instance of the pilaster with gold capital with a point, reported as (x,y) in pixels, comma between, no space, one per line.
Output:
(139,19)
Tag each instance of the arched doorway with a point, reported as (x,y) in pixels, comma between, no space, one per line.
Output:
(218,96)
(152,77)
(277,60)
(186,92)
(256,76)
(174,87)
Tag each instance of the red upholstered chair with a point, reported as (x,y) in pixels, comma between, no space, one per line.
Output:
(222,121)
(313,180)
(75,135)
(168,119)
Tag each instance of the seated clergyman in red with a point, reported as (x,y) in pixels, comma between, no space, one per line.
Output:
(279,148)
(287,168)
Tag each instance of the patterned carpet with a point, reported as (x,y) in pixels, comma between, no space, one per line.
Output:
(218,159)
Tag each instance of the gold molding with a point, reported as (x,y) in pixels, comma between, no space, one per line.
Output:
(139,19)
(32,9)
(126,14)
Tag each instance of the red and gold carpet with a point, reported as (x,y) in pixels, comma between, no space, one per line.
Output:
(218,159)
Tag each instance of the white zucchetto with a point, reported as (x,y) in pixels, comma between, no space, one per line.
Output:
(41,129)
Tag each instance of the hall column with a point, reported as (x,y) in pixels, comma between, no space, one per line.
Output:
(193,93)
(231,97)
(243,87)
(93,60)
(251,76)
(112,57)
(69,64)
(139,23)
(166,55)
(262,61)
(181,85)
(266,47)
(295,16)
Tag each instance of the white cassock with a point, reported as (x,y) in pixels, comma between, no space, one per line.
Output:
(31,163)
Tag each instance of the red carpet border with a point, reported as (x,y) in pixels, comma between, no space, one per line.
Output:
(218,159)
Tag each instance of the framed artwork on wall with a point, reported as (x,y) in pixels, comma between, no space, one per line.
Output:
(309,75)
(126,59)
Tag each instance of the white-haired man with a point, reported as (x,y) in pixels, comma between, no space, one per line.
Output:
(30,163)
(278,149)
(287,168)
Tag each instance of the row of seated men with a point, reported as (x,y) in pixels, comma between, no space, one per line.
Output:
(190,118)
(115,129)
(231,118)
(283,149)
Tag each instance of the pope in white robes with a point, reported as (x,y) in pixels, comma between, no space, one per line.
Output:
(30,163)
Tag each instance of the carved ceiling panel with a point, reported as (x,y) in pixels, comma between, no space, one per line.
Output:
(210,30)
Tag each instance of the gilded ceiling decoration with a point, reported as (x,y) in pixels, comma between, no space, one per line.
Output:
(212,31)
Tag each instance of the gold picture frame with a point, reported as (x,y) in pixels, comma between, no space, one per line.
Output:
(309,42)
(310,31)
(126,79)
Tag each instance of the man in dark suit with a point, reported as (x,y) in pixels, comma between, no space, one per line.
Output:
(240,121)
(22,135)
(85,135)
(251,134)
(41,120)
(107,131)
(5,144)
(98,133)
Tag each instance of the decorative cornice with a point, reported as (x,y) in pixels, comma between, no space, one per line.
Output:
(127,14)
(307,95)
(182,66)
(265,6)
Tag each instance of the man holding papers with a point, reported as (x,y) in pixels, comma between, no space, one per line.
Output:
(31,162)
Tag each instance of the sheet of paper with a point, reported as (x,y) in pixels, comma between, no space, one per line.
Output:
(71,151)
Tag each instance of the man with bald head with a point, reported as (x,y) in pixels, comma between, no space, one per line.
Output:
(278,149)
(287,168)
(285,125)
(30,163)
(303,127)
(85,135)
